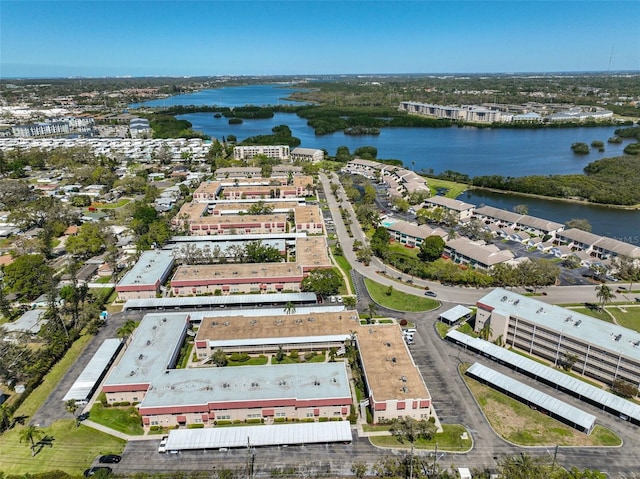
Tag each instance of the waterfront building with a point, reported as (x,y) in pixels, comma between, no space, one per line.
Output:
(462,210)
(602,350)
(410,234)
(475,253)
(517,221)
(467,113)
(598,246)
(312,155)
(280,152)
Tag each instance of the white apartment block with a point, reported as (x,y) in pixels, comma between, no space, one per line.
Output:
(280,152)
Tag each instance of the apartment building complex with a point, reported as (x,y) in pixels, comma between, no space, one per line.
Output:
(280,152)
(602,350)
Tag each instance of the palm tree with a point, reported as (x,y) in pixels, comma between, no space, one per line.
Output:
(126,329)
(6,417)
(289,308)
(486,332)
(604,294)
(372,309)
(31,434)
(71,407)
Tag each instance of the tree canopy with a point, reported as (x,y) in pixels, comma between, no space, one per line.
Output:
(431,248)
(322,281)
(28,275)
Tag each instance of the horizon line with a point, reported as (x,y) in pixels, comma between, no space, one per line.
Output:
(297,75)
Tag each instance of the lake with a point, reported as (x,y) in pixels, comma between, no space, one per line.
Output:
(259,95)
(469,150)
(623,225)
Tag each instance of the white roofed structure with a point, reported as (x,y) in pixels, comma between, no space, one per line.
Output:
(256,436)
(576,418)
(92,374)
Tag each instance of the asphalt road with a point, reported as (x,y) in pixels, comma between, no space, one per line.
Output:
(436,359)
(53,408)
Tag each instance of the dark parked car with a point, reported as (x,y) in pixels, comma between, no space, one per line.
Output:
(96,469)
(110,459)
(430,293)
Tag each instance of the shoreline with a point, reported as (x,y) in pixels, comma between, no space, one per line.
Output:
(635,207)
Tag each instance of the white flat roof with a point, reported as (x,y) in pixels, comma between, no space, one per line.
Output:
(542,400)
(93,371)
(587,329)
(539,371)
(456,313)
(272,435)
(231,300)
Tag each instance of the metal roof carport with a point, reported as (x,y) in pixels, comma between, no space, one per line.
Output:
(235,300)
(576,418)
(273,435)
(455,314)
(553,377)
(94,371)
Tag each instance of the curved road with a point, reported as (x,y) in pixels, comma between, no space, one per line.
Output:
(458,295)
(438,360)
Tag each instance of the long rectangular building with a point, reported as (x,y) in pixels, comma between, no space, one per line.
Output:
(604,351)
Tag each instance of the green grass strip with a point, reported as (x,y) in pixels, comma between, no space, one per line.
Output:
(398,300)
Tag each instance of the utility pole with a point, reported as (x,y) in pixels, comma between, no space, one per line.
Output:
(435,459)
(411,463)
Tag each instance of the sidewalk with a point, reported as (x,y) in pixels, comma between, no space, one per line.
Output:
(121,435)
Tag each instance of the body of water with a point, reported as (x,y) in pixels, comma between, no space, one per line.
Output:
(258,95)
(473,151)
(623,225)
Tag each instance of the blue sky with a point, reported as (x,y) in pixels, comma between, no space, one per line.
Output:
(116,38)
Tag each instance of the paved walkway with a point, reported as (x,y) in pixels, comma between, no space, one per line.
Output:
(121,435)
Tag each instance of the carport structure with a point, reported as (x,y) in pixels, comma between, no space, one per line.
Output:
(256,436)
(560,410)
(455,314)
(559,380)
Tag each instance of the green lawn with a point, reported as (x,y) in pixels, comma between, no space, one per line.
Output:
(86,443)
(72,449)
(522,425)
(594,314)
(345,266)
(398,300)
(448,440)
(29,407)
(442,328)
(122,419)
(104,279)
(111,206)
(253,361)
(454,188)
(629,318)
(318,358)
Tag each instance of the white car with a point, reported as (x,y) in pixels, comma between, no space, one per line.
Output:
(339,298)
(163,444)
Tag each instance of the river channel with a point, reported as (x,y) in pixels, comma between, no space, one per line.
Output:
(469,150)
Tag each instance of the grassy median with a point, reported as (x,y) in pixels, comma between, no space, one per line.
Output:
(398,300)
(454,437)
